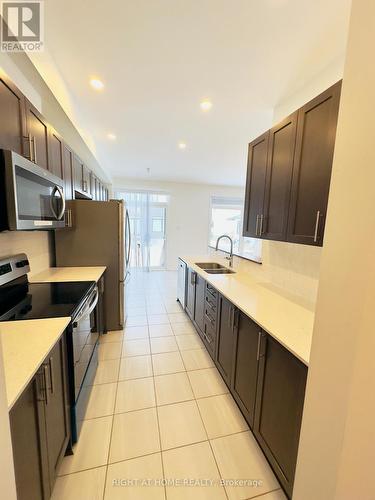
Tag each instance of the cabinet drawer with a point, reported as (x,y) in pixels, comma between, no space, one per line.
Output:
(211,301)
(210,316)
(211,291)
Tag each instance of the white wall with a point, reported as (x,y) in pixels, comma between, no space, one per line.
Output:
(187,216)
(337,448)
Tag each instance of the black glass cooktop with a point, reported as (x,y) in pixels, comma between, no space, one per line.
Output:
(22,300)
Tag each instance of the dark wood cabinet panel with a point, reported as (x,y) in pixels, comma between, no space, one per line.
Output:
(27,424)
(279,406)
(12,123)
(274,220)
(56,410)
(225,339)
(316,133)
(68,172)
(86,180)
(77,174)
(56,154)
(37,128)
(255,184)
(190,294)
(245,367)
(200,292)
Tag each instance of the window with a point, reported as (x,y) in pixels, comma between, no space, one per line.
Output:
(226,217)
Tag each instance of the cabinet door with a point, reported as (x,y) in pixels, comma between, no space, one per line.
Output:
(56,154)
(226,338)
(68,172)
(273,224)
(77,174)
(255,184)
(316,132)
(200,292)
(30,456)
(190,299)
(245,367)
(86,180)
(38,129)
(279,406)
(56,408)
(12,123)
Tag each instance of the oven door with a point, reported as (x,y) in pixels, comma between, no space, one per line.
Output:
(34,196)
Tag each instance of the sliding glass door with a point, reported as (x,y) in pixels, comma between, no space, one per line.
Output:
(148,214)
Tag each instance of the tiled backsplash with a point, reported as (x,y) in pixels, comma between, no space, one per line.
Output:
(292,267)
(36,244)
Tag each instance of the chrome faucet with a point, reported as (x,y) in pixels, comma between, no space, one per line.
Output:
(230,258)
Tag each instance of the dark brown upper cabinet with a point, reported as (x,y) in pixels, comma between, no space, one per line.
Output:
(38,136)
(86,181)
(68,172)
(316,133)
(255,184)
(12,123)
(81,176)
(56,166)
(289,172)
(274,218)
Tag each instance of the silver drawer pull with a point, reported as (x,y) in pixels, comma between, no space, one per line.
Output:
(317,220)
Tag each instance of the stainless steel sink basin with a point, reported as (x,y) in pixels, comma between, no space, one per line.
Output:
(222,270)
(209,265)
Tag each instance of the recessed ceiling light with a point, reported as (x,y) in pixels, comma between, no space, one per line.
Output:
(111,136)
(96,84)
(182,145)
(206,105)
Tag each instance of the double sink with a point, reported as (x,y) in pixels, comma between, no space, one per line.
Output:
(214,268)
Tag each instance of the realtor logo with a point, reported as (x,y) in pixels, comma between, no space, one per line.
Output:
(22,26)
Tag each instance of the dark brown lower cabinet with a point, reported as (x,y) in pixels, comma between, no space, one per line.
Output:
(279,407)
(40,427)
(225,339)
(245,366)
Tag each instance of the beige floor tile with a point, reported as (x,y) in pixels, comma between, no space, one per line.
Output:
(158,319)
(173,306)
(239,457)
(139,310)
(136,347)
(161,331)
(173,388)
(156,309)
(221,416)
(167,362)
(135,395)
(163,344)
(207,382)
(141,472)
(135,367)
(102,400)
(115,336)
(196,359)
(183,328)
(92,447)
(134,434)
(135,333)
(192,462)
(107,371)
(136,320)
(274,495)
(179,317)
(189,342)
(180,424)
(110,350)
(87,484)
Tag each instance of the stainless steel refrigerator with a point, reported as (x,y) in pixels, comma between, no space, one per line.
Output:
(99,236)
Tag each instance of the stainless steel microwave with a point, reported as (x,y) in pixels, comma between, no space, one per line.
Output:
(30,196)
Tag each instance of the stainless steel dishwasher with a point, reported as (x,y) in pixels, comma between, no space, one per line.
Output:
(181,283)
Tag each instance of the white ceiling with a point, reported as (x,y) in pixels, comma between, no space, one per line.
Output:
(160,58)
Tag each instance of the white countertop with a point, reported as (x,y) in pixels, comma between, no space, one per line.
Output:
(57,274)
(288,321)
(25,344)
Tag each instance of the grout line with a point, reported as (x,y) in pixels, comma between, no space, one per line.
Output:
(265,493)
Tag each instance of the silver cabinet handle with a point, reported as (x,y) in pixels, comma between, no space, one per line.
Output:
(316,232)
(28,138)
(34,144)
(256,226)
(68,218)
(261,225)
(51,375)
(45,375)
(258,348)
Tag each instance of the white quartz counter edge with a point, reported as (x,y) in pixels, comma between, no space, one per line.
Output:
(288,322)
(62,274)
(25,345)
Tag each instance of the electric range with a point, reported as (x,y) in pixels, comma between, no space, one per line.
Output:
(21,300)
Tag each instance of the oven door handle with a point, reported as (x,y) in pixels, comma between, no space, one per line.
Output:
(92,302)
